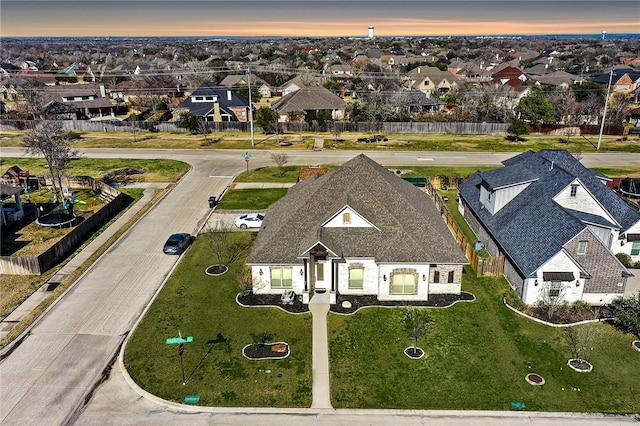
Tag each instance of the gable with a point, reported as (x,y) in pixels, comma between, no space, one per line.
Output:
(347,218)
(576,196)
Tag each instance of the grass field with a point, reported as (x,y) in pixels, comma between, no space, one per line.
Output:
(250,199)
(347,140)
(477,357)
(204,307)
(155,170)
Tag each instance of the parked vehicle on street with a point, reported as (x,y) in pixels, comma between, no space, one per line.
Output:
(177,243)
(251,220)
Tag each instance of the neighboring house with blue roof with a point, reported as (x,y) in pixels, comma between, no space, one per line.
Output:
(215,103)
(557,224)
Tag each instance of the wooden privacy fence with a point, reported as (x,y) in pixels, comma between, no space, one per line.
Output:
(482,266)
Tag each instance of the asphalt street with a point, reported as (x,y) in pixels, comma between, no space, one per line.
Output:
(46,378)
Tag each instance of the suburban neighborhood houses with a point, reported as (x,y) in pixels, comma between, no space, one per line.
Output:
(351,79)
(357,230)
(558,225)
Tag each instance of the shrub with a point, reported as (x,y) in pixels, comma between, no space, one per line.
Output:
(513,299)
(625,259)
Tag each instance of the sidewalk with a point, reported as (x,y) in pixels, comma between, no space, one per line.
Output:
(261,185)
(320,391)
(39,295)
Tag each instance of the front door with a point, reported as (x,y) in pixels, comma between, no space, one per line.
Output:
(322,277)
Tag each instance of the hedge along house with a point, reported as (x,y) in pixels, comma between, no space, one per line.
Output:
(357,230)
(557,224)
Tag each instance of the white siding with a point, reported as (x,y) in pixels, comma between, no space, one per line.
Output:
(560,262)
(600,298)
(624,246)
(384,286)
(500,197)
(262,282)
(604,234)
(582,201)
(371,277)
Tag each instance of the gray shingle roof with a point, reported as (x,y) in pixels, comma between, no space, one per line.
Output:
(208,89)
(532,227)
(407,225)
(309,98)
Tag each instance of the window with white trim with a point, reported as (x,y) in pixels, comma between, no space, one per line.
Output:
(450,277)
(356,278)
(554,289)
(635,248)
(346,218)
(403,284)
(582,248)
(281,278)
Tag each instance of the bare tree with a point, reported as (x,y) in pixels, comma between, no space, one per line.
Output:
(580,340)
(280,158)
(551,297)
(49,140)
(335,131)
(618,108)
(227,246)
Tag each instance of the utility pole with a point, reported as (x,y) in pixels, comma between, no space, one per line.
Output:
(250,106)
(604,113)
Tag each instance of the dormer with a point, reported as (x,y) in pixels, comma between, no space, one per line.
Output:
(347,218)
(204,98)
(494,196)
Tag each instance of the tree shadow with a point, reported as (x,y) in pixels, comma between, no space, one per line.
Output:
(220,339)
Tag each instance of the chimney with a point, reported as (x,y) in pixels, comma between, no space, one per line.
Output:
(229,95)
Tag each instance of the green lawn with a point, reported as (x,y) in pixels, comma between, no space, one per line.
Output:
(155,170)
(477,356)
(204,307)
(250,199)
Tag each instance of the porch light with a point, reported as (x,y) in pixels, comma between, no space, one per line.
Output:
(384,278)
(260,272)
(424,277)
(301,271)
(577,283)
(535,283)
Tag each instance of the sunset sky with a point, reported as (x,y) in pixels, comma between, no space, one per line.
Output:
(314,18)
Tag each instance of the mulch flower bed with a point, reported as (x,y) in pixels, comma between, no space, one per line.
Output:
(414,353)
(267,351)
(534,379)
(435,300)
(251,299)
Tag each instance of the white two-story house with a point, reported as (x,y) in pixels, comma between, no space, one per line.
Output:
(557,224)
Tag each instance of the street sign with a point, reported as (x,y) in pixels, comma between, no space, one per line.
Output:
(246,159)
(192,399)
(178,340)
(247,154)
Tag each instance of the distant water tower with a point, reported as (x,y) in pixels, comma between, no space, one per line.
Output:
(370,31)
(604,33)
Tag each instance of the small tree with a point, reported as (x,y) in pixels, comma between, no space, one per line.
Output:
(551,298)
(227,246)
(517,128)
(280,158)
(416,323)
(49,140)
(189,121)
(580,340)
(335,131)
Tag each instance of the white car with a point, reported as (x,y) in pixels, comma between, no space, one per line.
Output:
(251,220)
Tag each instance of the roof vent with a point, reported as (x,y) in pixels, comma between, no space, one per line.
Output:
(551,166)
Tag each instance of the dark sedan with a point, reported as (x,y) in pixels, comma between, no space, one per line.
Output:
(177,243)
